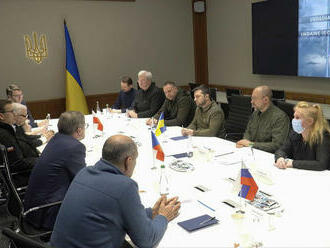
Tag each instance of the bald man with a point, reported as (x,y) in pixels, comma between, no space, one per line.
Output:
(268,126)
(102,204)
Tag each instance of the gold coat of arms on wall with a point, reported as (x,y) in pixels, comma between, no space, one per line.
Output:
(36,49)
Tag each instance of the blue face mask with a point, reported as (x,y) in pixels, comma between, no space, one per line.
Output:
(297,126)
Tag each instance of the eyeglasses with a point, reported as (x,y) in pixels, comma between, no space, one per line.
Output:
(25,116)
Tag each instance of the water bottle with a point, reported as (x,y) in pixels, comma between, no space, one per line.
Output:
(98,110)
(190,152)
(163,182)
(48,120)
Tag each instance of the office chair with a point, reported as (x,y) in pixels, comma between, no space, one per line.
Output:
(286,107)
(278,95)
(230,92)
(192,86)
(19,240)
(240,110)
(213,94)
(15,202)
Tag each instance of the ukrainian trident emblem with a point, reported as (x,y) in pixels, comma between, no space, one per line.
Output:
(36,49)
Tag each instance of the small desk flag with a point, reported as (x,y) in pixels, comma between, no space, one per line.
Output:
(156,146)
(161,128)
(249,187)
(97,121)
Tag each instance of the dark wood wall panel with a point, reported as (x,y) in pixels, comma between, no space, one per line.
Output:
(289,95)
(200,45)
(55,107)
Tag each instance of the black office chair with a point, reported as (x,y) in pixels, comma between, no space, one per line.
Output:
(278,95)
(192,86)
(19,240)
(230,92)
(240,110)
(286,107)
(213,94)
(15,202)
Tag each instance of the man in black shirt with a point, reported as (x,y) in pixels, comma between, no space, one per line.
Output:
(149,97)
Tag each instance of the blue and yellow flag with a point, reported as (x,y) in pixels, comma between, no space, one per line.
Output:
(75,98)
(161,128)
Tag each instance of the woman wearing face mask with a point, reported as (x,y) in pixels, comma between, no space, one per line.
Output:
(308,145)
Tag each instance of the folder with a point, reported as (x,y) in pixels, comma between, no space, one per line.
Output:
(179,138)
(198,222)
(180,155)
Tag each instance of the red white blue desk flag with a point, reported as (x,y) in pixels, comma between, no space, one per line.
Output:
(249,187)
(156,146)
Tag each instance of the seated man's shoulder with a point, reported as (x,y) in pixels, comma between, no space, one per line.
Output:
(279,113)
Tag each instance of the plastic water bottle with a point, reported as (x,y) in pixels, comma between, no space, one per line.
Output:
(190,152)
(98,110)
(163,182)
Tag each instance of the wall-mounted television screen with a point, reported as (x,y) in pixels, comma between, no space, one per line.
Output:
(291,37)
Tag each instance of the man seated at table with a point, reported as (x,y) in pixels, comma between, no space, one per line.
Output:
(268,126)
(209,117)
(60,161)
(17,161)
(30,142)
(126,96)
(149,98)
(15,94)
(308,145)
(103,204)
(178,107)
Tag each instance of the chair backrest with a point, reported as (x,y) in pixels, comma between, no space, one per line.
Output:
(230,92)
(240,110)
(287,108)
(18,240)
(213,94)
(278,95)
(15,205)
(192,86)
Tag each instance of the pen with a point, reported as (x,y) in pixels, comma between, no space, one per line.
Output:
(265,193)
(207,220)
(223,154)
(206,205)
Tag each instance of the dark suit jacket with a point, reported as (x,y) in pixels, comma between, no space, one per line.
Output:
(148,102)
(17,160)
(28,143)
(61,160)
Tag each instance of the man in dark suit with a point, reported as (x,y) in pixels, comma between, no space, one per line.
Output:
(61,160)
(19,160)
(15,94)
(149,98)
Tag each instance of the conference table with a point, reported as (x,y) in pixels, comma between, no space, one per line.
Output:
(301,220)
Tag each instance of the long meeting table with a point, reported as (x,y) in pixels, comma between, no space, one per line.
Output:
(301,221)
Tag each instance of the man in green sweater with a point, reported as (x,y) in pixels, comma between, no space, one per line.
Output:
(178,107)
(268,126)
(209,117)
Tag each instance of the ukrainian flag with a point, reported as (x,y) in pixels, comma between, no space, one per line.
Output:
(75,98)
(161,128)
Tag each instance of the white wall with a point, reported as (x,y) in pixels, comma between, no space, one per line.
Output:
(230,51)
(111,39)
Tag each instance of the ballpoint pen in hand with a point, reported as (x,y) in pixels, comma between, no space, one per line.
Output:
(207,220)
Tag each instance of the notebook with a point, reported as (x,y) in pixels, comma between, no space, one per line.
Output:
(197,223)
